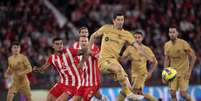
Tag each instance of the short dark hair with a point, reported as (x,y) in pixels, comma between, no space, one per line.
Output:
(81,28)
(173,26)
(56,39)
(117,14)
(139,32)
(15,43)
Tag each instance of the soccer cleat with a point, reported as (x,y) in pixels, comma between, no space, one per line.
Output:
(134,97)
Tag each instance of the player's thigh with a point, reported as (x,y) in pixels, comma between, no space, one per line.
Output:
(173,85)
(79,94)
(138,81)
(113,67)
(183,84)
(89,92)
(77,98)
(55,91)
(109,65)
(63,97)
(51,97)
(26,91)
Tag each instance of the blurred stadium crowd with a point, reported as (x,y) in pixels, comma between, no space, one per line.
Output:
(35,26)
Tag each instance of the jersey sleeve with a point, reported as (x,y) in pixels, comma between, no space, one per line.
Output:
(72,51)
(126,53)
(49,61)
(187,47)
(101,30)
(27,63)
(130,38)
(165,49)
(150,52)
(95,52)
(9,65)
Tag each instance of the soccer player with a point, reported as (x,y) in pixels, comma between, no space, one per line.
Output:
(83,32)
(91,74)
(179,55)
(18,66)
(113,39)
(83,44)
(63,60)
(139,73)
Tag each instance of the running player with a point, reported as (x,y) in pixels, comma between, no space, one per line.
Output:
(139,72)
(113,39)
(179,55)
(18,66)
(64,62)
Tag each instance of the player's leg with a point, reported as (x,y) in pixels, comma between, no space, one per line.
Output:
(79,94)
(55,92)
(88,93)
(150,97)
(173,85)
(183,85)
(50,97)
(68,92)
(120,75)
(11,93)
(138,85)
(100,97)
(121,96)
(26,91)
(63,97)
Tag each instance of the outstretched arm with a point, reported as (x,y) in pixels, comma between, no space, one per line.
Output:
(42,68)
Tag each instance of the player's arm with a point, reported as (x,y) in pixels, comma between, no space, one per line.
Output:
(8,70)
(192,57)
(166,57)
(126,56)
(94,36)
(43,68)
(153,64)
(27,65)
(141,50)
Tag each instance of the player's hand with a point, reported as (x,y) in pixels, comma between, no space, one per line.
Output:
(149,74)
(80,65)
(6,75)
(188,75)
(35,69)
(164,82)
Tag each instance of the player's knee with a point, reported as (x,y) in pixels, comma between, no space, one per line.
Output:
(137,91)
(115,68)
(50,97)
(183,94)
(173,93)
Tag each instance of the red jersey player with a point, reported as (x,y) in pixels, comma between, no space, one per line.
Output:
(64,61)
(92,61)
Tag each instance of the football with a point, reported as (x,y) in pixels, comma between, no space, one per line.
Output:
(169,74)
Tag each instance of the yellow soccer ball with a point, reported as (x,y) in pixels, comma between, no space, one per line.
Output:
(169,74)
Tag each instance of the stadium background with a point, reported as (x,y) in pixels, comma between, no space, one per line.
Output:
(35,26)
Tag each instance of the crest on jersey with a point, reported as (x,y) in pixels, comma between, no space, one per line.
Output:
(106,38)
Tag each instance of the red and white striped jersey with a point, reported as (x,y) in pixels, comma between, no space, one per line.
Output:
(91,72)
(65,64)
